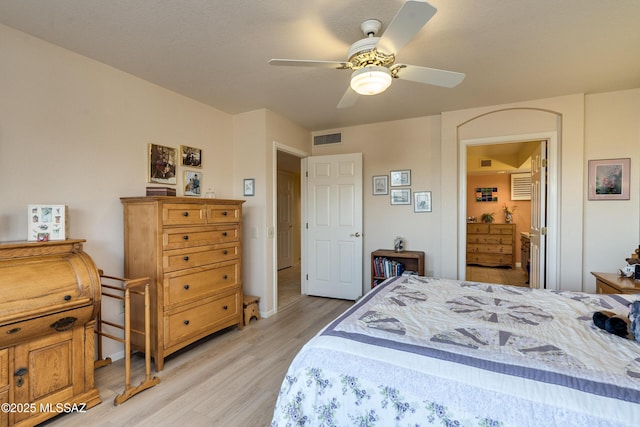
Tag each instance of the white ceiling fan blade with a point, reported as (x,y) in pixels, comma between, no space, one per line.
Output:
(430,76)
(310,63)
(411,17)
(349,98)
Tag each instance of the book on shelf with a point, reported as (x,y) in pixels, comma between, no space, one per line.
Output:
(384,267)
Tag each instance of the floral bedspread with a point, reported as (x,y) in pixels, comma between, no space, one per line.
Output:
(421,351)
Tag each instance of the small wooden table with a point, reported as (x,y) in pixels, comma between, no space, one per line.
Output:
(613,283)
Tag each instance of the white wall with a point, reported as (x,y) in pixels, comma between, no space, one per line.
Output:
(398,145)
(75,132)
(611,228)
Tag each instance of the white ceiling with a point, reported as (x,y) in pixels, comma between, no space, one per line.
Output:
(216,51)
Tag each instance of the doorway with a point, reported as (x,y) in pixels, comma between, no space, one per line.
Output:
(487,164)
(288,212)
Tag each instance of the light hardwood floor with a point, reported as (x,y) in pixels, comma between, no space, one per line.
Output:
(230,379)
(288,286)
(505,276)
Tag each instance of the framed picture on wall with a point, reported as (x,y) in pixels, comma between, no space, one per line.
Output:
(401,178)
(190,156)
(162,164)
(609,179)
(401,196)
(249,187)
(380,185)
(422,201)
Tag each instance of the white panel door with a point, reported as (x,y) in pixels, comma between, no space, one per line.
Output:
(285,220)
(537,277)
(334,226)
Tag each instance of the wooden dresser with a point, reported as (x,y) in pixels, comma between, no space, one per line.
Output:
(49,298)
(491,245)
(192,251)
(613,283)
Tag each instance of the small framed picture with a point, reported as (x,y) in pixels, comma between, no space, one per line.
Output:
(401,196)
(190,156)
(380,185)
(401,178)
(192,181)
(609,179)
(422,201)
(249,187)
(162,164)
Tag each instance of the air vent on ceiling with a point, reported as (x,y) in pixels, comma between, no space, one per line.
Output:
(485,163)
(332,138)
(521,186)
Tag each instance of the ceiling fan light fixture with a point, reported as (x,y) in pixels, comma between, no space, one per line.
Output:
(371,80)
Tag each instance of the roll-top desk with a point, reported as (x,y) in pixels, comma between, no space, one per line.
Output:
(192,251)
(49,298)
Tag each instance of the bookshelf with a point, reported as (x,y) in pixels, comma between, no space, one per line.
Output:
(410,260)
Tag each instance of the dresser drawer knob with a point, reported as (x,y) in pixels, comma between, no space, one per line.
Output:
(225,277)
(224,233)
(185,237)
(14,331)
(225,252)
(186,322)
(186,287)
(186,258)
(67,297)
(224,213)
(185,213)
(225,307)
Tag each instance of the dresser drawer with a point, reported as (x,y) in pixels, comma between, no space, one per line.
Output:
(493,260)
(501,229)
(18,332)
(183,214)
(180,259)
(490,249)
(186,286)
(478,228)
(223,214)
(197,320)
(177,238)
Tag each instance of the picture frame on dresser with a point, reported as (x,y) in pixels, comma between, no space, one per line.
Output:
(192,183)
(609,179)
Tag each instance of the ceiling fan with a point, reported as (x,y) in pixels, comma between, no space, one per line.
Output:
(372,59)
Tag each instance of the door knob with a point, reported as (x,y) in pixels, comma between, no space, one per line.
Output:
(356,234)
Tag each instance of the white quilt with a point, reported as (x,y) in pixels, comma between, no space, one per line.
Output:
(421,351)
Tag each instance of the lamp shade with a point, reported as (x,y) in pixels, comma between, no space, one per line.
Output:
(371,80)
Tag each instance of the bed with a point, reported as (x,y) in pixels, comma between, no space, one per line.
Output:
(423,351)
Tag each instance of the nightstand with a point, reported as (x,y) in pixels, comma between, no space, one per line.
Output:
(613,283)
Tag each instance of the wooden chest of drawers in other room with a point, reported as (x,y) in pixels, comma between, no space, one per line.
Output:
(491,245)
(49,298)
(192,251)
